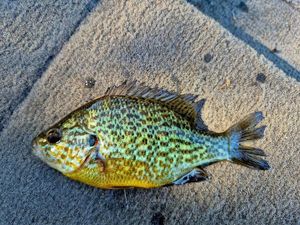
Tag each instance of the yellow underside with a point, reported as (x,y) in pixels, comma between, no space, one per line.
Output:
(110,178)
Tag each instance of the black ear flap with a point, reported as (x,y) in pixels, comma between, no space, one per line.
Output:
(92,140)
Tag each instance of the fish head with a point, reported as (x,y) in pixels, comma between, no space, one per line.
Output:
(67,145)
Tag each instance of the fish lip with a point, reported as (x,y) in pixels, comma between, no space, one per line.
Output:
(33,142)
(36,150)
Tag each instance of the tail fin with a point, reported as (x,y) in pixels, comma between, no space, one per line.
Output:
(244,131)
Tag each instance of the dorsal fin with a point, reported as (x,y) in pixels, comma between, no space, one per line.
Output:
(185,104)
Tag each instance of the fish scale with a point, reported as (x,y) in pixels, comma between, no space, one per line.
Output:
(159,134)
(136,136)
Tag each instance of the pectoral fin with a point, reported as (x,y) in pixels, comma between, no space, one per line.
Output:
(195,175)
(100,159)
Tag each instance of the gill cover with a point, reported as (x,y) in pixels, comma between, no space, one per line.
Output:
(68,145)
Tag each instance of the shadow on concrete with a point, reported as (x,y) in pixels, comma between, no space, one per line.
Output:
(223,12)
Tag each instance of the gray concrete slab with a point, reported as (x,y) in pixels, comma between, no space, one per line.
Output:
(31,34)
(171,44)
(270,27)
(294,3)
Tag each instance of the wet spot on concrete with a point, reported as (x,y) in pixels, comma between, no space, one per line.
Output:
(126,73)
(261,78)
(275,50)
(227,42)
(244,216)
(243,7)
(208,57)
(158,219)
(90,82)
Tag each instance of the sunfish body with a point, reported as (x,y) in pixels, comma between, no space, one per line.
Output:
(137,136)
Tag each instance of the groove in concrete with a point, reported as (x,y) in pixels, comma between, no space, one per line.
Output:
(225,16)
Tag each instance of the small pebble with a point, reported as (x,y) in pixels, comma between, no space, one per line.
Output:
(261,78)
(90,82)
(208,57)
(243,7)
(226,84)
(158,219)
(126,73)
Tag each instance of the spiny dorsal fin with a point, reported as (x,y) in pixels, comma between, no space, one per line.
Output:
(183,104)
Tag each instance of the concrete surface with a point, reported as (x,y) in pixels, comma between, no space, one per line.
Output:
(31,34)
(173,44)
(270,27)
(294,3)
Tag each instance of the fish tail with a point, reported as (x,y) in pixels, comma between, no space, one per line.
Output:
(241,132)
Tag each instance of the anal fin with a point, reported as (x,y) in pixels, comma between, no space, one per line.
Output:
(195,175)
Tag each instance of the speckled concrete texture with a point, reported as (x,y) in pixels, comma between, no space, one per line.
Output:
(294,3)
(270,27)
(173,44)
(31,34)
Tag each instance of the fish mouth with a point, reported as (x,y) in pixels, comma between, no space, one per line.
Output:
(36,146)
(36,150)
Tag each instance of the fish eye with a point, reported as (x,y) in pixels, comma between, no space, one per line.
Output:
(92,140)
(53,136)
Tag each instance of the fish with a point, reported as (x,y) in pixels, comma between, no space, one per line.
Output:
(136,136)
